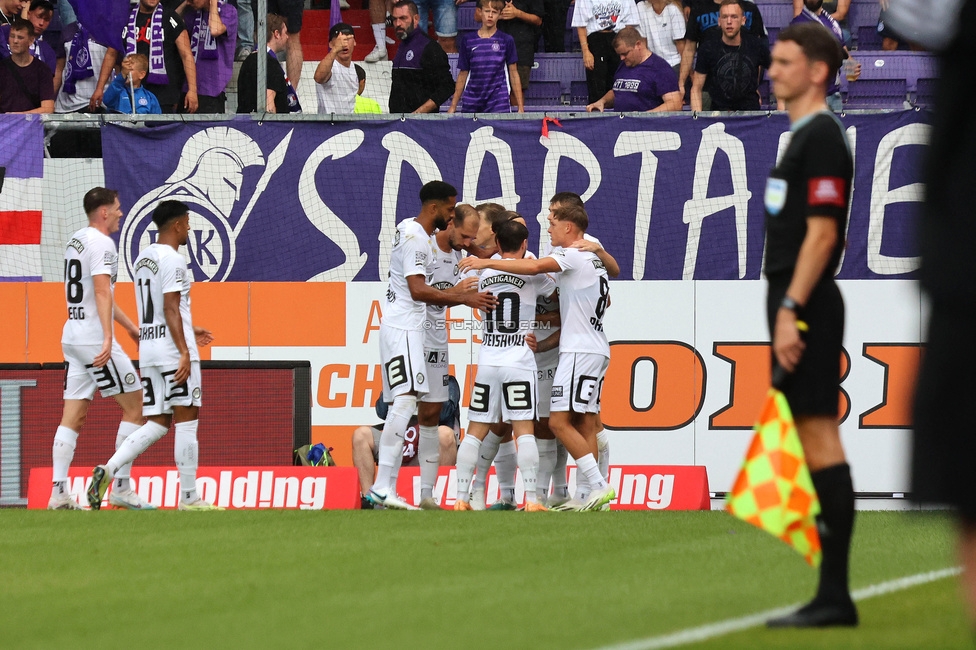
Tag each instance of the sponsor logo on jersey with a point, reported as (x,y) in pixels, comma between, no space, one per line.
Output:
(826,190)
(420,258)
(504,278)
(146,263)
(557,391)
(443,286)
(598,265)
(76,244)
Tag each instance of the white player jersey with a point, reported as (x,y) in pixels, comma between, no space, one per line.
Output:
(411,255)
(443,275)
(159,270)
(506,326)
(88,253)
(584,293)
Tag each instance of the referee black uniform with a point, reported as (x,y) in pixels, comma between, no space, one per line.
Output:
(813,179)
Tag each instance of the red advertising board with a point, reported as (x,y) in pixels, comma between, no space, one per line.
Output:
(638,487)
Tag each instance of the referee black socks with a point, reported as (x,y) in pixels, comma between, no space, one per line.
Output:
(835,525)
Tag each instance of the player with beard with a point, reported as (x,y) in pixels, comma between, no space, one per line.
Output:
(402,329)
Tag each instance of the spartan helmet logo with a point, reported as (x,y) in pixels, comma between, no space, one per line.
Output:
(208,178)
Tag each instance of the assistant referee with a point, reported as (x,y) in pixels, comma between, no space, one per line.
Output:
(807,198)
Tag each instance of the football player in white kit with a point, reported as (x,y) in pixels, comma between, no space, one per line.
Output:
(505,388)
(584,294)
(402,329)
(94,359)
(168,357)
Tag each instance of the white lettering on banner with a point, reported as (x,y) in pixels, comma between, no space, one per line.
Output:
(402,149)
(715,139)
(558,146)
(852,141)
(253,489)
(634,488)
(882,196)
(644,143)
(483,142)
(322,217)
(10,436)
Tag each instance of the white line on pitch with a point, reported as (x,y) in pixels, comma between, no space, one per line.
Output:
(721,628)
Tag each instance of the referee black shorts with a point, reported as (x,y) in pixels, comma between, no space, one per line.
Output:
(944,444)
(290,10)
(814,387)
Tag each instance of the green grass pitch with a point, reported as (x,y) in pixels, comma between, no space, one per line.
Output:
(299,579)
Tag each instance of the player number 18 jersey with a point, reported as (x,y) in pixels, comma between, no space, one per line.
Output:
(87,254)
(159,270)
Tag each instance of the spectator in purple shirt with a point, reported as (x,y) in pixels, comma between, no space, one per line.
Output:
(483,59)
(213,37)
(813,11)
(645,81)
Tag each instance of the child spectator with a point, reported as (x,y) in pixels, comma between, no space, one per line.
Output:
(483,59)
(117,97)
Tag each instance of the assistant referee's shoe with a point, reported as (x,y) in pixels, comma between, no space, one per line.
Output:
(128,500)
(197,505)
(389,501)
(101,479)
(819,613)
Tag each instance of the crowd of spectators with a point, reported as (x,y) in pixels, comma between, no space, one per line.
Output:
(706,54)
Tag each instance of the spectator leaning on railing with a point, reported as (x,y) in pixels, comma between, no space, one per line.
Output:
(597,21)
(645,81)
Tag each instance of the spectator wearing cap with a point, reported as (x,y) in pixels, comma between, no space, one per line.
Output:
(335,76)
(422,78)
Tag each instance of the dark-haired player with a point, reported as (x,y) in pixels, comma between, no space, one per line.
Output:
(402,329)
(807,198)
(168,358)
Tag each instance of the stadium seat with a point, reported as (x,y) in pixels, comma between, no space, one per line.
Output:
(775,16)
(563,69)
(465,18)
(868,37)
(863,13)
(925,93)
(877,93)
(578,93)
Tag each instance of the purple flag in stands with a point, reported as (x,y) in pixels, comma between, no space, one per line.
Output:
(104,19)
(335,14)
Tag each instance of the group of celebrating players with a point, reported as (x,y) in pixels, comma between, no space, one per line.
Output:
(541,363)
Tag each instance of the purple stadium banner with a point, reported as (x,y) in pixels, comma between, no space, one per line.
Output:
(104,20)
(673,198)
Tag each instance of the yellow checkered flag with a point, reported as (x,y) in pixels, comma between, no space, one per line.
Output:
(774,490)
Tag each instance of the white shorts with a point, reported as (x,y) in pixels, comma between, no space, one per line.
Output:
(437,383)
(404,367)
(503,395)
(160,394)
(81,379)
(578,382)
(543,382)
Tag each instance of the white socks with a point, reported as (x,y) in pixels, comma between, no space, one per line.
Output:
(391,442)
(489,447)
(379,34)
(134,444)
(467,456)
(528,463)
(560,487)
(61,455)
(187,457)
(547,461)
(122,476)
(603,449)
(506,462)
(428,455)
(588,467)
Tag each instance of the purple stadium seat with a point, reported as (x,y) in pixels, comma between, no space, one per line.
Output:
(465,18)
(578,93)
(868,37)
(863,13)
(543,93)
(776,14)
(925,92)
(876,93)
